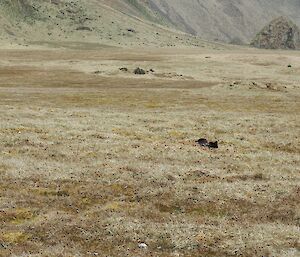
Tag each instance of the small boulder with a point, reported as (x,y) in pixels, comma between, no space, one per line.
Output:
(205,143)
(139,71)
(213,144)
(131,30)
(202,142)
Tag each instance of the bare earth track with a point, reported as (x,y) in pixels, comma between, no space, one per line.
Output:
(94,161)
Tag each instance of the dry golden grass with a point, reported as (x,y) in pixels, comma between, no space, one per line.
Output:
(96,164)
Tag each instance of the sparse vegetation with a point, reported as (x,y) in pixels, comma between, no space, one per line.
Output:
(99,165)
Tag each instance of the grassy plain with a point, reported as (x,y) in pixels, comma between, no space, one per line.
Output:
(94,161)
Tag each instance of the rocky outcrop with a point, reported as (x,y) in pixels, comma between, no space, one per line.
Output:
(281,33)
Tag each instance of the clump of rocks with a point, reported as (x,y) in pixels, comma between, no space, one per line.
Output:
(204,142)
(139,71)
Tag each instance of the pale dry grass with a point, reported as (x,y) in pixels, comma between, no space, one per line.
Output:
(94,164)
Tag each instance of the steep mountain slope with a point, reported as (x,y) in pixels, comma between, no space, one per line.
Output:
(223,20)
(140,22)
(84,21)
(226,20)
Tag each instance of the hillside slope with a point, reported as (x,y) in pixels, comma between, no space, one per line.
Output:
(221,20)
(140,22)
(226,20)
(93,21)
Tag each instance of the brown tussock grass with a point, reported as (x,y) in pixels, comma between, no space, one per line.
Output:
(95,164)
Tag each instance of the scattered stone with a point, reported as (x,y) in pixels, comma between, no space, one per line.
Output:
(143,246)
(269,86)
(204,142)
(151,70)
(213,144)
(123,69)
(84,28)
(139,71)
(2,245)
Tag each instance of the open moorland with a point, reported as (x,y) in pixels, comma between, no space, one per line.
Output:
(95,160)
